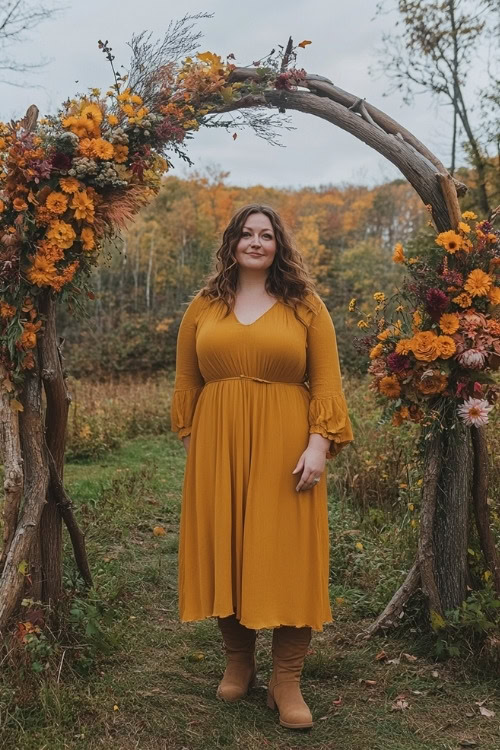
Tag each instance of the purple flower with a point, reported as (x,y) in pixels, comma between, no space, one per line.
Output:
(398,362)
(437,301)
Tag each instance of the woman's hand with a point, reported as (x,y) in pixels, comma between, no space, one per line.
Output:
(312,462)
(186,440)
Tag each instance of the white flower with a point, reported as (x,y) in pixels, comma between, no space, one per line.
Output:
(472,358)
(474,412)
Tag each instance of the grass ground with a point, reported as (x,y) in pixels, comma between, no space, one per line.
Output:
(127,675)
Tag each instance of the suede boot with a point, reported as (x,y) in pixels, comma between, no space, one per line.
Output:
(289,650)
(239,643)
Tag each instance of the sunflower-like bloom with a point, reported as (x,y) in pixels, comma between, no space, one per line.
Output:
(451,241)
(57,203)
(478,283)
(404,346)
(102,149)
(69,184)
(87,238)
(86,147)
(465,228)
(469,215)
(121,153)
(93,113)
(83,206)
(425,346)
(399,255)
(390,386)
(61,234)
(449,323)
(447,347)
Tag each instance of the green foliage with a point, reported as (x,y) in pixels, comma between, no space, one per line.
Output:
(475,622)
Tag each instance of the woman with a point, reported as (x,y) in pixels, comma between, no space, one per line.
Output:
(258,403)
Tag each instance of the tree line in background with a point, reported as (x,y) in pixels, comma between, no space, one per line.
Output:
(346,235)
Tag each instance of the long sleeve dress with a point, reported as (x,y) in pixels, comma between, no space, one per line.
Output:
(249,395)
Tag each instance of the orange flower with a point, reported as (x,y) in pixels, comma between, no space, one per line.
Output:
(57,203)
(389,386)
(121,153)
(451,241)
(86,147)
(87,238)
(494,295)
(113,120)
(464,300)
(69,184)
(19,204)
(376,351)
(383,335)
(447,346)
(6,310)
(61,234)
(399,255)
(41,271)
(93,113)
(432,383)
(49,251)
(425,346)
(449,322)
(28,338)
(2,207)
(83,206)
(403,346)
(478,283)
(102,149)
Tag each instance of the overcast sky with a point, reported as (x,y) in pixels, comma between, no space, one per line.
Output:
(344,34)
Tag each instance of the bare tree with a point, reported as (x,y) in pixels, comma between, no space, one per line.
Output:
(17,17)
(432,50)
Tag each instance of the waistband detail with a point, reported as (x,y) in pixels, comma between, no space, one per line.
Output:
(252,377)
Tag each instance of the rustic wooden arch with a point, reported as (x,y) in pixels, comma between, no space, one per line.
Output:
(34,451)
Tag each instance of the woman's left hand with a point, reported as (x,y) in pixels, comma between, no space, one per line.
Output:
(312,463)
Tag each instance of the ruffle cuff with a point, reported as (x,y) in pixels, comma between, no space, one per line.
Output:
(329,417)
(182,410)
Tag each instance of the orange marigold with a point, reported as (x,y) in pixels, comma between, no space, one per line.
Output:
(389,386)
(447,346)
(102,149)
(464,300)
(478,283)
(121,153)
(404,346)
(376,351)
(87,238)
(494,295)
(42,270)
(449,322)
(6,310)
(28,337)
(425,346)
(86,147)
(69,184)
(61,234)
(56,202)
(398,256)
(83,206)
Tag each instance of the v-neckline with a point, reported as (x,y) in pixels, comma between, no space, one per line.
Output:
(247,325)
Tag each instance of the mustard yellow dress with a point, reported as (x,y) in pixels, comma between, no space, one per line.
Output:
(249,395)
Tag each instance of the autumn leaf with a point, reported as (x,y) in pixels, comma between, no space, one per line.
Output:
(196,656)
(159,531)
(437,622)
(381,655)
(304,43)
(235,135)
(23,567)
(16,405)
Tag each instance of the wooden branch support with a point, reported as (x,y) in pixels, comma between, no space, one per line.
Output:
(391,614)
(13,469)
(480,502)
(425,542)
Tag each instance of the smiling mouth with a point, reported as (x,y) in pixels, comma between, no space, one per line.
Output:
(259,255)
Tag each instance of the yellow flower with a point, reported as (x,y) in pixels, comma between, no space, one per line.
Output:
(86,147)
(93,113)
(389,386)
(379,297)
(42,271)
(136,99)
(376,351)
(61,234)
(352,304)
(411,261)
(451,241)
(359,546)
(83,206)
(87,238)
(469,215)
(449,322)
(362,324)
(128,110)
(121,153)
(425,346)
(102,149)
(56,202)
(464,300)
(113,120)
(494,295)
(399,255)
(447,346)
(417,320)
(478,283)
(69,184)
(464,227)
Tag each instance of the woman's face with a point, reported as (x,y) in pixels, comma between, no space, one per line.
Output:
(257,245)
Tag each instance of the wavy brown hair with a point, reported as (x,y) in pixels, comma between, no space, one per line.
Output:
(288,278)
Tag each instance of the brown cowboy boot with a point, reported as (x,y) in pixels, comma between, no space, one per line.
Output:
(239,675)
(290,646)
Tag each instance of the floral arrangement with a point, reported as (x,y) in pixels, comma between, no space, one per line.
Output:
(436,343)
